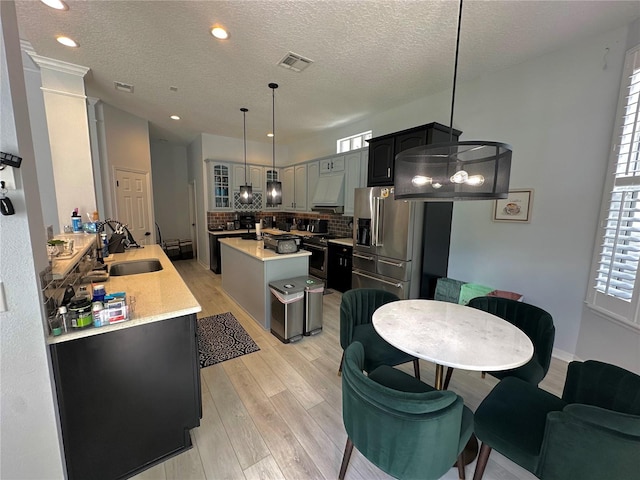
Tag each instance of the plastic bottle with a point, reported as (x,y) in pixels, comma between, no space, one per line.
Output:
(64,318)
(76,221)
(97,312)
(105,245)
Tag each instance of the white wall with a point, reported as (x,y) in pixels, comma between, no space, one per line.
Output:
(170,190)
(599,338)
(126,145)
(196,172)
(29,434)
(557,112)
(40,135)
(227,149)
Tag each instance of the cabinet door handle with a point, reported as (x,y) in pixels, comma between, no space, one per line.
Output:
(389,172)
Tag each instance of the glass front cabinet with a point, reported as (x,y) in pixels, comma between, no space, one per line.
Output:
(220,192)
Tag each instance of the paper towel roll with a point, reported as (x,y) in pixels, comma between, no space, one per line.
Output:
(258,230)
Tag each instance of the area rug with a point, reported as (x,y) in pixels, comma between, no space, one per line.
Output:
(220,338)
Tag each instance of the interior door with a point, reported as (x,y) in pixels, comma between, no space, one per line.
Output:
(133,204)
(193,217)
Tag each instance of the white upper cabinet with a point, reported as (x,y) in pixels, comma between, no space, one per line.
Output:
(220,194)
(313,173)
(332,164)
(254,177)
(355,177)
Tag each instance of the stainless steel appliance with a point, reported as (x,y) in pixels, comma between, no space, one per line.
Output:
(247,221)
(318,226)
(285,243)
(387,246)
(319,248)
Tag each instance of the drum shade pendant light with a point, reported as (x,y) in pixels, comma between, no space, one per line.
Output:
(246,191)
(469,170)
(274,188)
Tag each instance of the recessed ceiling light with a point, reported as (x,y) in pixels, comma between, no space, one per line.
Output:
(220,33)
(175,117)
(66,41)
(269,134)
(57,4)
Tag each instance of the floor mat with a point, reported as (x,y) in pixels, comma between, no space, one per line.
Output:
(220,338)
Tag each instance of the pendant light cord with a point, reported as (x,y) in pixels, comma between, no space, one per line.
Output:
(273,123)
(455,73)
(244,125)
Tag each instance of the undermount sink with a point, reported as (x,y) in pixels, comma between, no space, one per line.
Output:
(134,267)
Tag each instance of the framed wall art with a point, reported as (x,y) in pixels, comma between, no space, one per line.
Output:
(515,208)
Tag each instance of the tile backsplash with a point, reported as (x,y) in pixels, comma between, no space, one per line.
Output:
(339,225)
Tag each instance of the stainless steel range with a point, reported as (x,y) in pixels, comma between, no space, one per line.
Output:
(318,246)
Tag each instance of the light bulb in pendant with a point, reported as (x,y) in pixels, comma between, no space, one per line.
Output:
(421,180)
(475,180)
(459,177)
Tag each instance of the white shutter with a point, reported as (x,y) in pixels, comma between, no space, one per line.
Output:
(616,261)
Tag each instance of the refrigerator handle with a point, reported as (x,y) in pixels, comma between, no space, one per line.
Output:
(378,227)
(397,285)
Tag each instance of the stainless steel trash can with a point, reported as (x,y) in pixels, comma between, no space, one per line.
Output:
(287,309)
(313,293)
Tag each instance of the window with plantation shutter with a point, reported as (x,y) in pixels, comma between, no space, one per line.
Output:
(615,290)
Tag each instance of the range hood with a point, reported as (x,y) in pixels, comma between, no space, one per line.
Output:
(329,194)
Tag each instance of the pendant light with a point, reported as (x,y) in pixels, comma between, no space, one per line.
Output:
(246,191)
(274,187)
(469,170)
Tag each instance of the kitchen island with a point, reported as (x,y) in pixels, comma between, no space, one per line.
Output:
(247,270)
(128,393)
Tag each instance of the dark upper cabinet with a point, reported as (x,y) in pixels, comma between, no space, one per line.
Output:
(383,149)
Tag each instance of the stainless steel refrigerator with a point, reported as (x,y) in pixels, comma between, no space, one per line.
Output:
(387,242)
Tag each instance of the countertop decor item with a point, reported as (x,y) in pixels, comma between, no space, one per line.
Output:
(274,187)
(468,170)
(220,338)
(246,191)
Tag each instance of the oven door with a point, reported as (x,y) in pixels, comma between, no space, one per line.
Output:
(317,260)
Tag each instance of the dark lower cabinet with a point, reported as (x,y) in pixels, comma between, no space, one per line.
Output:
(339,267)
(127,398)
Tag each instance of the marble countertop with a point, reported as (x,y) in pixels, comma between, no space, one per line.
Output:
(346,241)
(453,335)
(255,248)
(158,295)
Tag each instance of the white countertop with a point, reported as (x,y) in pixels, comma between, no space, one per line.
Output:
(159,295)
(232,232)
(255,248)
(346,241)
(453,335)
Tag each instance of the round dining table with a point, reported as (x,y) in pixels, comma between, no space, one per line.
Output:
(452,335)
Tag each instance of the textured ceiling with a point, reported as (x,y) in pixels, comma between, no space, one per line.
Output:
(368,55)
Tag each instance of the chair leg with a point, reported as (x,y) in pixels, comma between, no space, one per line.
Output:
(483,458)
(348,448)
(416,368)
(340,367)
(460,465)
(447,378)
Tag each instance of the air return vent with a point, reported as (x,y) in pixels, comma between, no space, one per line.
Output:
(123,87)
(295,62)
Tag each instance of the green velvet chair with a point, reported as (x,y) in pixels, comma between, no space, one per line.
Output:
(356,308)
(591,433)
(532,320)
(402,425)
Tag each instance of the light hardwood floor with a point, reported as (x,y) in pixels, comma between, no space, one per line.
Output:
(276,413)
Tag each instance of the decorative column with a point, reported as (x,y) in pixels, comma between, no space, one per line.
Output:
(68,125)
